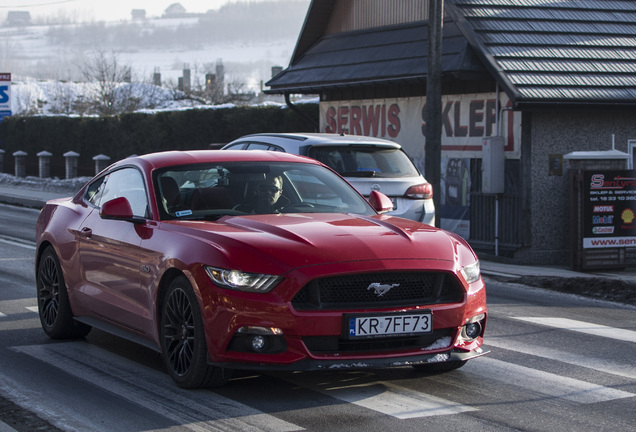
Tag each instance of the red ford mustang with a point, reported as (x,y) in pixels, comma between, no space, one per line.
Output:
(226,260)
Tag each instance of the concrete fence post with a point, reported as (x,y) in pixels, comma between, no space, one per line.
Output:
(70,162)
(44,164)
(101,162)
(20,163)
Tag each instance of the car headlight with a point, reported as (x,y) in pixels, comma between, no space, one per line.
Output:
(242,281)
(471,272)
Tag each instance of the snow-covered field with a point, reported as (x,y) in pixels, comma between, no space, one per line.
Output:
(46,77)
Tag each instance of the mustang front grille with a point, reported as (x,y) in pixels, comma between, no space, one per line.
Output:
(370,290)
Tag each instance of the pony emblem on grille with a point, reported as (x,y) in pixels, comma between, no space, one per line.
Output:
(381,289)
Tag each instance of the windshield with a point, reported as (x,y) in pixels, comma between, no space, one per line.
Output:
(208,192)
(365,161)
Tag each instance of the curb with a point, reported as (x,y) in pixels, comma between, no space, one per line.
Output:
(22,202)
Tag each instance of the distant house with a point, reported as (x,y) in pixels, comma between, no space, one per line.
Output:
(18,18)
(175,10)
(138,14)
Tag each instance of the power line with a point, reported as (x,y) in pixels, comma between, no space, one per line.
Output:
(37,4)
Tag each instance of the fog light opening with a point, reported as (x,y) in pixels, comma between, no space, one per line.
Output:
(258,340)
(258,343)
(472,330)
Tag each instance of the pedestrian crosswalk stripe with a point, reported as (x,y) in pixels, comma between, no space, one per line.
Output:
(387,398)
(17,242)
(154,390)
(583,327)
(544,382)
(601,365)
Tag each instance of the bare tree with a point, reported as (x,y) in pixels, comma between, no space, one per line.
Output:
(108,72)
(62,98)
(27,102)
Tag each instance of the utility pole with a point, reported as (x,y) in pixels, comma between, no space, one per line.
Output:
(433,136)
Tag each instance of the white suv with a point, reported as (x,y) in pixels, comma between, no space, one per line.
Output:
(367,163)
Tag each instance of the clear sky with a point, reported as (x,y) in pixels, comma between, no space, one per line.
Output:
(105,10)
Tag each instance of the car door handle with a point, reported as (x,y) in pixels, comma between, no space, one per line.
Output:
(86,232)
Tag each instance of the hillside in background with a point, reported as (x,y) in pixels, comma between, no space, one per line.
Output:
(247,38)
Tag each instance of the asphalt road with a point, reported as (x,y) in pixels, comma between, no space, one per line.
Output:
(558,362)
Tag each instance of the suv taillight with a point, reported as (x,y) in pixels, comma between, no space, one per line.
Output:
(422,191)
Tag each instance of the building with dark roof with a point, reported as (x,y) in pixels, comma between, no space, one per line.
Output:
(550,77)
(18,18)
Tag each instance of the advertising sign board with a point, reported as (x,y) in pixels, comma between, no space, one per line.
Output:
(609,209)
(5,95)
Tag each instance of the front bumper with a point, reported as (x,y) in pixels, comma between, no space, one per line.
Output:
(335,364)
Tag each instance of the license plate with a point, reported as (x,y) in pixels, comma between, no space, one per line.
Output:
(361,326)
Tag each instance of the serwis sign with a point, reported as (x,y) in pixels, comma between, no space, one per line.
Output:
(466,120)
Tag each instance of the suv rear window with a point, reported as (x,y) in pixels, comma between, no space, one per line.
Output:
(358,161)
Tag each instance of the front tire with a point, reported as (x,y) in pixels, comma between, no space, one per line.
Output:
(183,344)
(54,308)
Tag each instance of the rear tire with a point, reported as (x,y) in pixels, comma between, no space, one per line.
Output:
(54,308)
(439,367)
(183,344)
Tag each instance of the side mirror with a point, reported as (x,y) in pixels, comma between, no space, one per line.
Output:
(380,202)
(119,209)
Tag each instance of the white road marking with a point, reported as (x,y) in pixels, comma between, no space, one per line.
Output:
(17,242)
(2,315)
(602,365)
(544,382)
(150,387)
(583,327)
(387,398)
(154,390)
(33,309)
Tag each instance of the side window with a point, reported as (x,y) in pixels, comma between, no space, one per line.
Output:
(238,146)
(129,184)
(94,191)
(264,146)
(258,146)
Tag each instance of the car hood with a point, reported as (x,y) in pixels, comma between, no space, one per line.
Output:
(282,242)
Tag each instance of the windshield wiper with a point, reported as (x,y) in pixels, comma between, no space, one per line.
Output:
(358,174)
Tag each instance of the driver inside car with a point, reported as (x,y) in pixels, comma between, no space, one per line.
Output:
(269,197)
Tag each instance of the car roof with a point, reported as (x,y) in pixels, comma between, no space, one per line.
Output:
(294,141)
(172,158)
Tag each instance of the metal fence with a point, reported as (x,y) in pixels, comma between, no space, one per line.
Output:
(483,212)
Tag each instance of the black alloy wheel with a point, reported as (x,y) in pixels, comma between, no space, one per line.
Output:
(183,340)
(54,308)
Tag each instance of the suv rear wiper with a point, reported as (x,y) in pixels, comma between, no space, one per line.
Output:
(358,173)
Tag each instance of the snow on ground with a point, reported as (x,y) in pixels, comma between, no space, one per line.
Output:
(44,184)
(36,97)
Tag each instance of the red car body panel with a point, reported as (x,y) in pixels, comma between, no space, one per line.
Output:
(115,269)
